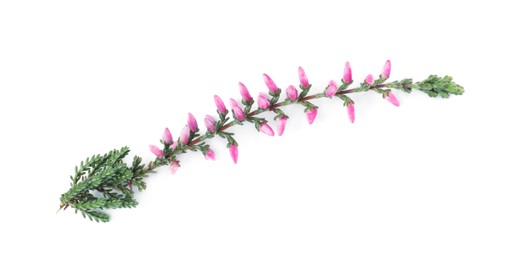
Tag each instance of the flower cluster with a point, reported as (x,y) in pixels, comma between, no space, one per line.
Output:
(241,111)
(106,181)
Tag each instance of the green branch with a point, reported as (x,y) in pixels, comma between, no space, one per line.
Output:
(106,181)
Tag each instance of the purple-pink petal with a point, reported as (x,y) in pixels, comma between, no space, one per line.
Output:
(281,125)
(233,151)
(244,92)
(167,137)
(270,84)
(351,112)
(392,99)
(174,167)
(156,151)
(266,129)
(210,154)
(209,122)
(303,78)
(192,123)
(311,115)
(291,92)
(331,89)
(220,105)
(185,134)
(347,73)
(239,113)
(263,102)
(369,79)
(386,70)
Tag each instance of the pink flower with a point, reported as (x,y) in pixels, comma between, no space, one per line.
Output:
(369,79)
(167,137)
(233,103)
(220,105)
(210,154)
(351,113)
(156,151)
(272,88)
(291,92)
(173,145)
(303,78)
(386,70)
(185,134)
(331,90)
(281,125)
(263,101)
(175,165)
(192,123)
(266,129)
(237,111)
(244,92)
(209,121)
(347,73)
(392,99)
(233,151)
(311,114)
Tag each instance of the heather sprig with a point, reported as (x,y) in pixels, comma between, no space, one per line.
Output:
(106,181)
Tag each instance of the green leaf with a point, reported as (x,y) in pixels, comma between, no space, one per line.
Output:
(94,215)
(436,86)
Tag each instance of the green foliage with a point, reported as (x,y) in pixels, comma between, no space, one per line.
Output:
(138,173)
(104,182)
(436,86)
(95,215)
(102,203)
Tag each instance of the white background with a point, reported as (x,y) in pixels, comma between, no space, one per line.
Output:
(429,180)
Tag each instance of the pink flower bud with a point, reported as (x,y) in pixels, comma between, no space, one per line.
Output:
(244,92)
(303,78)
(173,145)
(311,114)
(386,70)
(210,154)
(156,151)
(347,74)
(192,123)
(233,151)
(239,113)
(291,92)
(272,88)
(331,90)
(185,134)
(174,167)
(369,79)
(351,113)
(167,137)
(392,99)
(220,105)
(209,121)
(233,103)
(263,101)
(266,129)
(281,125)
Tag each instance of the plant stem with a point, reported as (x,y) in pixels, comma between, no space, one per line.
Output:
(258,111)
(153,165)
(282,104)
(105,181)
